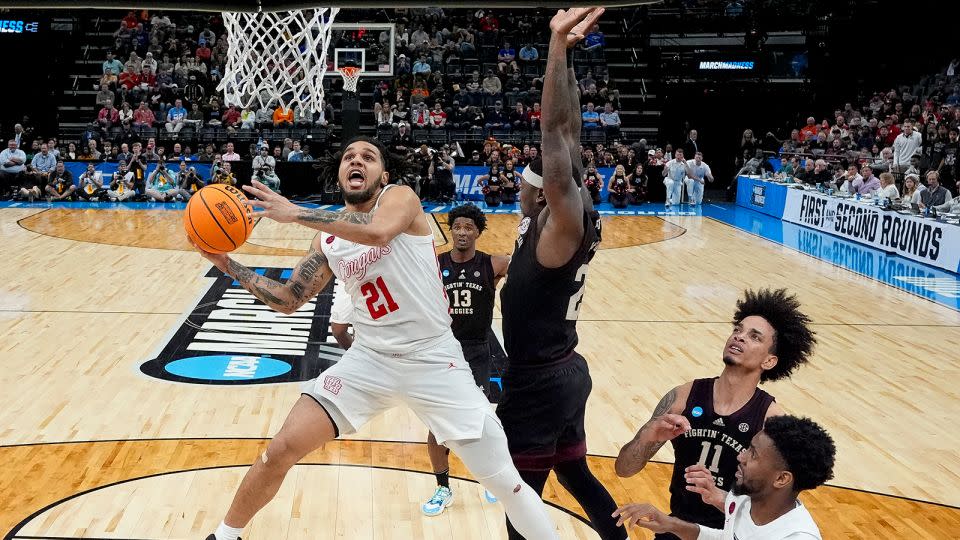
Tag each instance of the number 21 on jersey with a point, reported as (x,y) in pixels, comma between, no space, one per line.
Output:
(379,300)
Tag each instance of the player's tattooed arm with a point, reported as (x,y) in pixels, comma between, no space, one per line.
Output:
(662,427)
(309,277)
(312,216)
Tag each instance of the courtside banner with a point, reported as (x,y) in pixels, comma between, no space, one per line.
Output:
(465,177)
(923,240)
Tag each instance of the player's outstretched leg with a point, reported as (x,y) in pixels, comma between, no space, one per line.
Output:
(440,460)
(575,476)
(489,461)
(307,427)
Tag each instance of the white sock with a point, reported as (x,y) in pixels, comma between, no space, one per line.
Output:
(225,532)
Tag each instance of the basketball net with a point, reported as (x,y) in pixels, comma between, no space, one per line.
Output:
(277,57)
(351,75)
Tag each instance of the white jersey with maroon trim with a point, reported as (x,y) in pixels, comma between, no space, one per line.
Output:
(399,304)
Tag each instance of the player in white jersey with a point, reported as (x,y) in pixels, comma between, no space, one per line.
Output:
(788,456)
(381,247)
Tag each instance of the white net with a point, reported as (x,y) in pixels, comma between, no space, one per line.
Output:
(277,57)
(351,76)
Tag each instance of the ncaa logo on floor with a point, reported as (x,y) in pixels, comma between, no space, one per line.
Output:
(231,338)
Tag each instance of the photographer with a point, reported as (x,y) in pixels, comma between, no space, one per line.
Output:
(263,169)
(423,158)
(161,186)
(91,184)
(222,174)
(191,181)
(441,175)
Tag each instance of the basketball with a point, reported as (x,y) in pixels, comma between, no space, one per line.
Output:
(217,219)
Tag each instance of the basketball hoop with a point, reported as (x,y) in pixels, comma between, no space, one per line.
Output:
(351,75)
(277,56)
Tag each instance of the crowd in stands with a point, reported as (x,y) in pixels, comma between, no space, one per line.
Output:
(903,141)
(456,71)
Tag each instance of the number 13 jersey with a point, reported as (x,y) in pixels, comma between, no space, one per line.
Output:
(399,304)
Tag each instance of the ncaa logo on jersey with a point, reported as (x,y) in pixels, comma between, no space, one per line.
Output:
(697,412)
(446,272)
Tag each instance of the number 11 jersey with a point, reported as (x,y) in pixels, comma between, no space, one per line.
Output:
(713,441)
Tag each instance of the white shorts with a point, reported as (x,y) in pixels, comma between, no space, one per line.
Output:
(341,312)
(436,383)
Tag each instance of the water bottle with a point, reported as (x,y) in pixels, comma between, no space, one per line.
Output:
(857,196)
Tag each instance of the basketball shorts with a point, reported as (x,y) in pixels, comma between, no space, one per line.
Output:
(341,312)
(542,410)
(477,354)
(435,382)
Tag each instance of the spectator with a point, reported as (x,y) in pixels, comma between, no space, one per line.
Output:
(821,175)
(296,154)
(888,188)
(264,166)
(282,117)
(810,130)
(176,117)
(698,173)
(203,53)
(105,95)
(143,117)
(674,174)
(230,155)
(43,162)
(403,141)
(591,119)
(264,117)
(438,118)
(325,115)
(519,118)
(691,146)
(306,154)
(108,117)
(594,41)
(248,119)
(610,120)
(934,195)
(506,58)
(905,146)
(149,65)
(125,114)
(112,66)
(529,53)
(535,117)
(491,87)
(492,183)
(495,118)
(91,184)
(60,184)
(868,184)
(422,66)
(194,117)
(129,80)
(147,84)
(911,190)
(845,181)
(403,65)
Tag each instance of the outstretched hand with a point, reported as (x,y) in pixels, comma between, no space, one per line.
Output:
(642,515)
(574,23)
(700,480)
(272,205)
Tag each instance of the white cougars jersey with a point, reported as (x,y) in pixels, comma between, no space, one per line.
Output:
(399,303)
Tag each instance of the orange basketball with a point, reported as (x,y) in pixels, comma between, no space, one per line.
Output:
(216,218)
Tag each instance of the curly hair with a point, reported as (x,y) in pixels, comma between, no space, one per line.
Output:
(398,165)
(469,211)
(806,448)
(793,340)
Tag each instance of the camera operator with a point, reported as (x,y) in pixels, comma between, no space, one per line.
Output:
(190,182)
(263,169)
(222,173)
(423,158)
(161,185)
(441,175)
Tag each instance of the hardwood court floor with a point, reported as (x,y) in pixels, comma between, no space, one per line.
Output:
(86,296)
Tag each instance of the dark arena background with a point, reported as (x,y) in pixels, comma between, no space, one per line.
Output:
(140,381)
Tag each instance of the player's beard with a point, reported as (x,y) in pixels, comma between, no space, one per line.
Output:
(360,197)
(740,488)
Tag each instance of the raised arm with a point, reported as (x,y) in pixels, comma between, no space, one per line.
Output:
(561,128)
(399,212)
(309,277)
(665,423)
